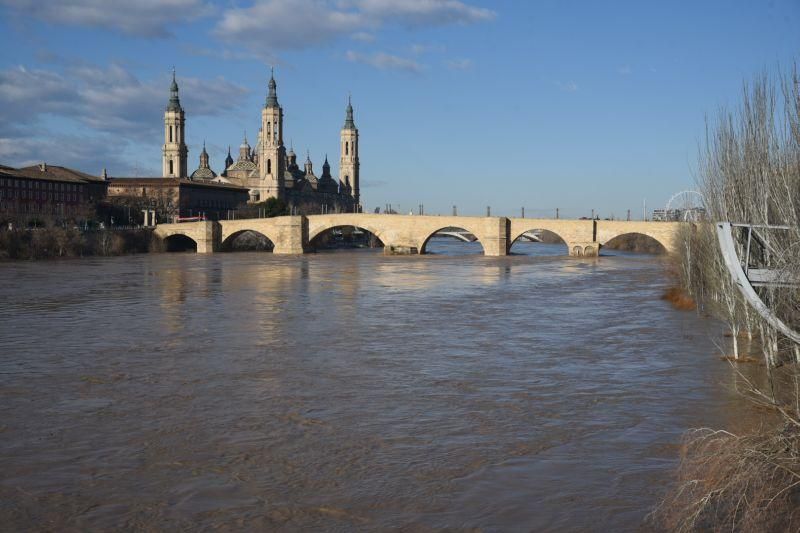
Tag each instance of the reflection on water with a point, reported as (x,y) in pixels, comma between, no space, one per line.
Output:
(346,390)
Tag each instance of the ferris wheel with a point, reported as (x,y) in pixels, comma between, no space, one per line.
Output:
(688,205)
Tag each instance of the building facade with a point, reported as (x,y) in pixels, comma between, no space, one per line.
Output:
(268,170)
(49,190)
(173,198)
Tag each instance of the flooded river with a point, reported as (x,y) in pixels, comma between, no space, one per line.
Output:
(347,391)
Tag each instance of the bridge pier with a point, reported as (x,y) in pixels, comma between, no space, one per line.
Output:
(583,248)
(207,237)
(399,249)
(497,237)
(291,235)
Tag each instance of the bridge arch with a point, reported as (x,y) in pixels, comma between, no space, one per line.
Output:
(179,242)
(259,241)
(550,237)
(636,241)
(316,236)
(536,227)
(474,231)
(232,229)
(317,231)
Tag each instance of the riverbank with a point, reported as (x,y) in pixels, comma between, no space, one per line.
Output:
(57,242)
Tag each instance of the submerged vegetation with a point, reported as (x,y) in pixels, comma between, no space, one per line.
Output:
(749,173)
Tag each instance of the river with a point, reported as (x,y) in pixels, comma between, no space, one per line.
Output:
(348,390)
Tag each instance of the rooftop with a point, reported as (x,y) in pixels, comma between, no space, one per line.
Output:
(50,173)
(167,182)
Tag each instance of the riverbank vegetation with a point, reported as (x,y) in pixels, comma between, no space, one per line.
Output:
(48,239)
(749,173)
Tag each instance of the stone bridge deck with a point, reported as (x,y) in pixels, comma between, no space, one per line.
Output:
(404,234)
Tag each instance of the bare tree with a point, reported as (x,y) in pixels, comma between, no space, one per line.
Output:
(749,172)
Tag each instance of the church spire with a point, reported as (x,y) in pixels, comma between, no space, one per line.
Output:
(204,157)
(272,97)
(174,101)
(244,149)
(229,159)
(349,124)
(326,168)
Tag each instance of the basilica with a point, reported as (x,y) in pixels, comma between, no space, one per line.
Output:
(267,170)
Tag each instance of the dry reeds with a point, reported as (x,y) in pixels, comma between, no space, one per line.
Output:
(734,482)
(679,299)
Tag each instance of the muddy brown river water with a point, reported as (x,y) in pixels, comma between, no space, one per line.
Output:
(347,391)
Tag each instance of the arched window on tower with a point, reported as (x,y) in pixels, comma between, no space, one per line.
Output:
(170,134)
(346,148)
(171,171)
(269,166)
(269,130)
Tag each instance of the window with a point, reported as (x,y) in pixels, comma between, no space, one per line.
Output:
(170,134)
(346,148)
(269,166)
(171,171)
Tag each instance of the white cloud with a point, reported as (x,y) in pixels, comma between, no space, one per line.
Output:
(459,64)
(277,24)
(89,154)
(267,26)
(385,61)
(423,12)
(150,18)
(107,99)
(567,86)
(225,54)
(112,108)
(418,49)
(363,36)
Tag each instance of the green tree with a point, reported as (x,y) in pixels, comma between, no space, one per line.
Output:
(271,207)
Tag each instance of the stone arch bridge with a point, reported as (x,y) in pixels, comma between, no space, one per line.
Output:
(409,234)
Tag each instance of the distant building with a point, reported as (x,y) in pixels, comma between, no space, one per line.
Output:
(267,170)
(678,215)
(48,190)
(176,197)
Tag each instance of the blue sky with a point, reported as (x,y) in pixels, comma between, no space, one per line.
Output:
(543,104)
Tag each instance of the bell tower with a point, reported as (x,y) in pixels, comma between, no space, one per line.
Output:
(174,153)
(348,165)
(272,159)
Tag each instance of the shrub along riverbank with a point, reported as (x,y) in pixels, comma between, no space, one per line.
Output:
(54,242)
(749,173)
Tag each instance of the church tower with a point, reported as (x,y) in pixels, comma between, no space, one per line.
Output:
(272,159)
(175,152)
(348,166)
